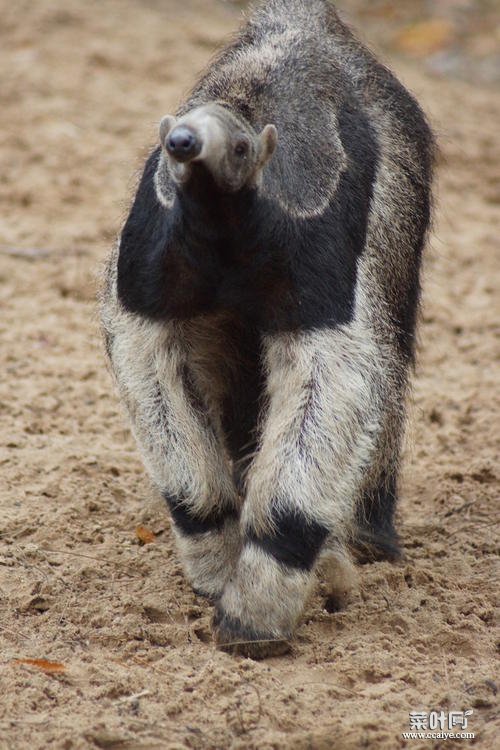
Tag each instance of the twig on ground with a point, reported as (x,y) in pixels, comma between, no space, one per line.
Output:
(136,696)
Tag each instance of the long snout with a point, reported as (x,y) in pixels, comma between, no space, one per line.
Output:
(183,144)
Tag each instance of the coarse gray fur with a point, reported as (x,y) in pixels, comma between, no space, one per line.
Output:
(330,413)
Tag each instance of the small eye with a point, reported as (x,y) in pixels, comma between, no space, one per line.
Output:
(241,148)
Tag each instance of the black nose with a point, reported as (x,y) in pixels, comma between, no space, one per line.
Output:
(182,144)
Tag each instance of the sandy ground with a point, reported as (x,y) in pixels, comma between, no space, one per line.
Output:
(83,86)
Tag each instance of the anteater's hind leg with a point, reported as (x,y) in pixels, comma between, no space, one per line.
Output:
(376,538)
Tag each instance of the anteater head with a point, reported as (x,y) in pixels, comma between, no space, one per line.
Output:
(214,138)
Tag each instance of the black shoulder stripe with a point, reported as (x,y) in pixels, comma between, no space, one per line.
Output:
(324,250)
(189,524)
(296,541)
(142,247)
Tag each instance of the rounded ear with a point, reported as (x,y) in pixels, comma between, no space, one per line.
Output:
(166,125)
(268,141)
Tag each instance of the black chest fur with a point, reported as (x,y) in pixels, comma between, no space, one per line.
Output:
(245,254)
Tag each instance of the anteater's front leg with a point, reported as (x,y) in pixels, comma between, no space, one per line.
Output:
(318,440)
(180,445)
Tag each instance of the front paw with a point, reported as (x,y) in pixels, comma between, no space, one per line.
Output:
(260,606)
(233,636)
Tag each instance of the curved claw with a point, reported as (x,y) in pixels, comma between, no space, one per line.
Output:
(212,598)
(234,638)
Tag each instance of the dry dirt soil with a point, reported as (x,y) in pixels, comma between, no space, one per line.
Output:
(84,85)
